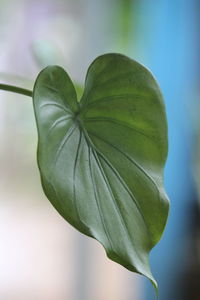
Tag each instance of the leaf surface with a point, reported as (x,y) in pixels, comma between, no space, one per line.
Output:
(101,159)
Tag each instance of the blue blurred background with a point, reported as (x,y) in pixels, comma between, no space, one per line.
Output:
(41,256)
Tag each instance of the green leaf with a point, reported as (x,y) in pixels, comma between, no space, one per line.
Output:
(101,159)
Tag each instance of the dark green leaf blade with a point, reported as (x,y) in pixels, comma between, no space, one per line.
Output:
(101,160)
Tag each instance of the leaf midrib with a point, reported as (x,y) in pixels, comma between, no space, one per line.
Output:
(90,143)
(130,159)
(105,178)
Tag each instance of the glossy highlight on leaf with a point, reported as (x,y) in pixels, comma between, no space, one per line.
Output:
(101,159)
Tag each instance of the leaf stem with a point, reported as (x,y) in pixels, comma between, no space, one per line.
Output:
(15,89)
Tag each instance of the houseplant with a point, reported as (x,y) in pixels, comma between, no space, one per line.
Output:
(101,157)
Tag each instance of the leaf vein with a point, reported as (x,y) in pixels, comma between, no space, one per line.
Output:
(120,123)
(130,159)
(111,98)
(112,196)
(56,122)
(97,200)
(59,94)
(63,142)
(74,178)
(118,177)
(56,105)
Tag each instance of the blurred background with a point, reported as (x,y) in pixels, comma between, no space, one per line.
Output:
(41,256)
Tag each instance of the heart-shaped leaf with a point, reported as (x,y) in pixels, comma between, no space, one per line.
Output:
(101,159)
